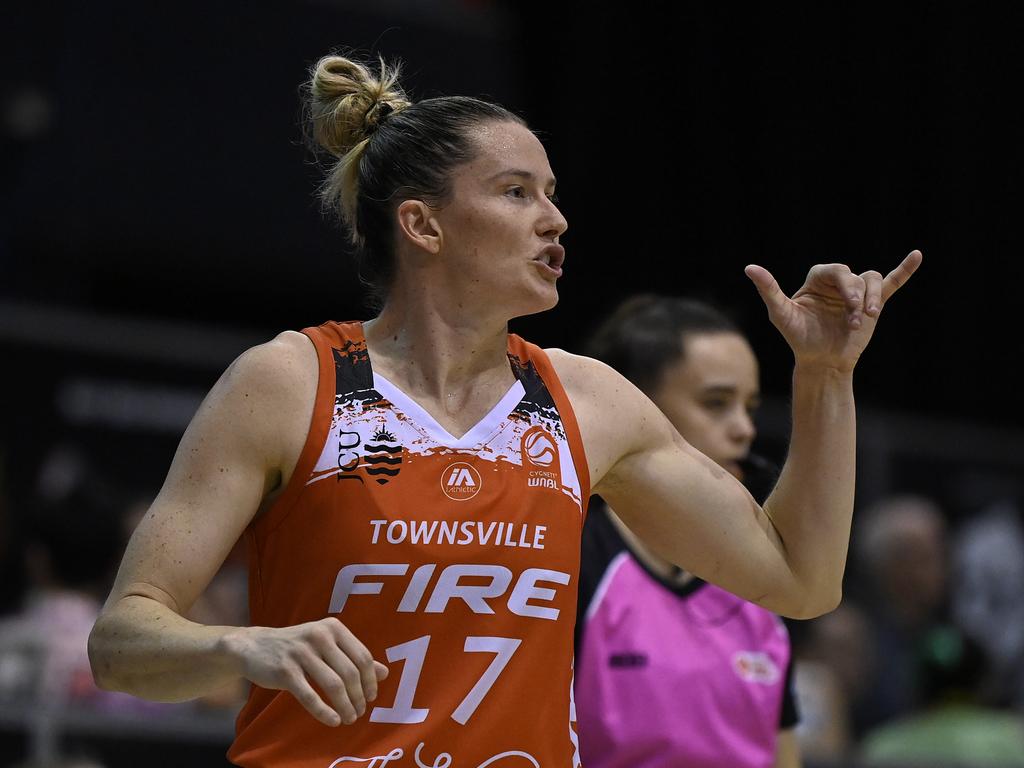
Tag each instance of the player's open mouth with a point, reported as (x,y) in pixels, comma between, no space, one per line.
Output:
(551,258)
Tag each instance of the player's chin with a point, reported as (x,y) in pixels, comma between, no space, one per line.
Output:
(538,299)
(547,299)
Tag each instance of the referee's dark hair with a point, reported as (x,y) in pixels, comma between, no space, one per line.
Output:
(644,335)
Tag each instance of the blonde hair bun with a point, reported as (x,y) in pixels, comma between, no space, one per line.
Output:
(347,101)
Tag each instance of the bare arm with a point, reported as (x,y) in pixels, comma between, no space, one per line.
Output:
(787,750)
(788,556)
(240,447)
(680,503)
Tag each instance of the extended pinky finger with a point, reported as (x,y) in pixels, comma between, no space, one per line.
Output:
(899,276)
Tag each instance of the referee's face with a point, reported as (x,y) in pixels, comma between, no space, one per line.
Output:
(711,395)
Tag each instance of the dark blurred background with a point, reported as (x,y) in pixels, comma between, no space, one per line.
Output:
(158,211)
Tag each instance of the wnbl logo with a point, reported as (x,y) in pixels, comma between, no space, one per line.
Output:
(540,456)
(539,447)
(545,481)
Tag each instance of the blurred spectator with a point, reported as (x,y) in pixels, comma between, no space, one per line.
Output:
(71,547)
(11,571)
(73,539)
(901,546)
(988,596)
(834,666)
(955,728)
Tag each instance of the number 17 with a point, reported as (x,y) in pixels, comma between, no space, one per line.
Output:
(414,653)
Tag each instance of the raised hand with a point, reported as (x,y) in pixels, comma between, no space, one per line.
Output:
(323,653)
(831,319)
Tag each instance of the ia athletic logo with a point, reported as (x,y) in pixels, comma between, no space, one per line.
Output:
(460,481)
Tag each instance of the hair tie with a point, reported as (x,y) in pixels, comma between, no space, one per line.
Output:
(375,115)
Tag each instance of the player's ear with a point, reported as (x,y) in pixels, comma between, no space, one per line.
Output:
(417,225)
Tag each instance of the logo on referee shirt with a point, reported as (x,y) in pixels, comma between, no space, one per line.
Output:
(460,481)
(628,660)
(755,667)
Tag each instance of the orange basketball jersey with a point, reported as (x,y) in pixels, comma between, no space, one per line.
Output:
(455,560)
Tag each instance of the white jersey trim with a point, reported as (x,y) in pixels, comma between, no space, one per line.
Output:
(480,431)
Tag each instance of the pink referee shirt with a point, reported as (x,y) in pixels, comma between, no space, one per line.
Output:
(688,676)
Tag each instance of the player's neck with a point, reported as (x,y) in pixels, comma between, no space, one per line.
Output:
(438,356)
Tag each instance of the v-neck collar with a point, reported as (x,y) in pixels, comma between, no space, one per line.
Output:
(476,434)
(422,418)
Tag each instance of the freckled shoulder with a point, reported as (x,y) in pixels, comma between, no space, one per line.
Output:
(272,388)
(287,361)
(278,372)
(584,378)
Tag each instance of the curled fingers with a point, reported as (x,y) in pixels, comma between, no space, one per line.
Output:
(297,682)
(368,671)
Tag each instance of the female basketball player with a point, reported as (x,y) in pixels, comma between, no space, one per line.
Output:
(413,488)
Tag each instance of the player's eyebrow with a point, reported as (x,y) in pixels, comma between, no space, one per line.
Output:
(525,175)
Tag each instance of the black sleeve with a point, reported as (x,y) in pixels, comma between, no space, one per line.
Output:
(600,544)
(761,474)
(790,713)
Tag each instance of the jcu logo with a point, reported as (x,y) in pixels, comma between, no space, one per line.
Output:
(380,459)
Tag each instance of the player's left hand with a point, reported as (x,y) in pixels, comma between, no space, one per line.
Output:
(831,319)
